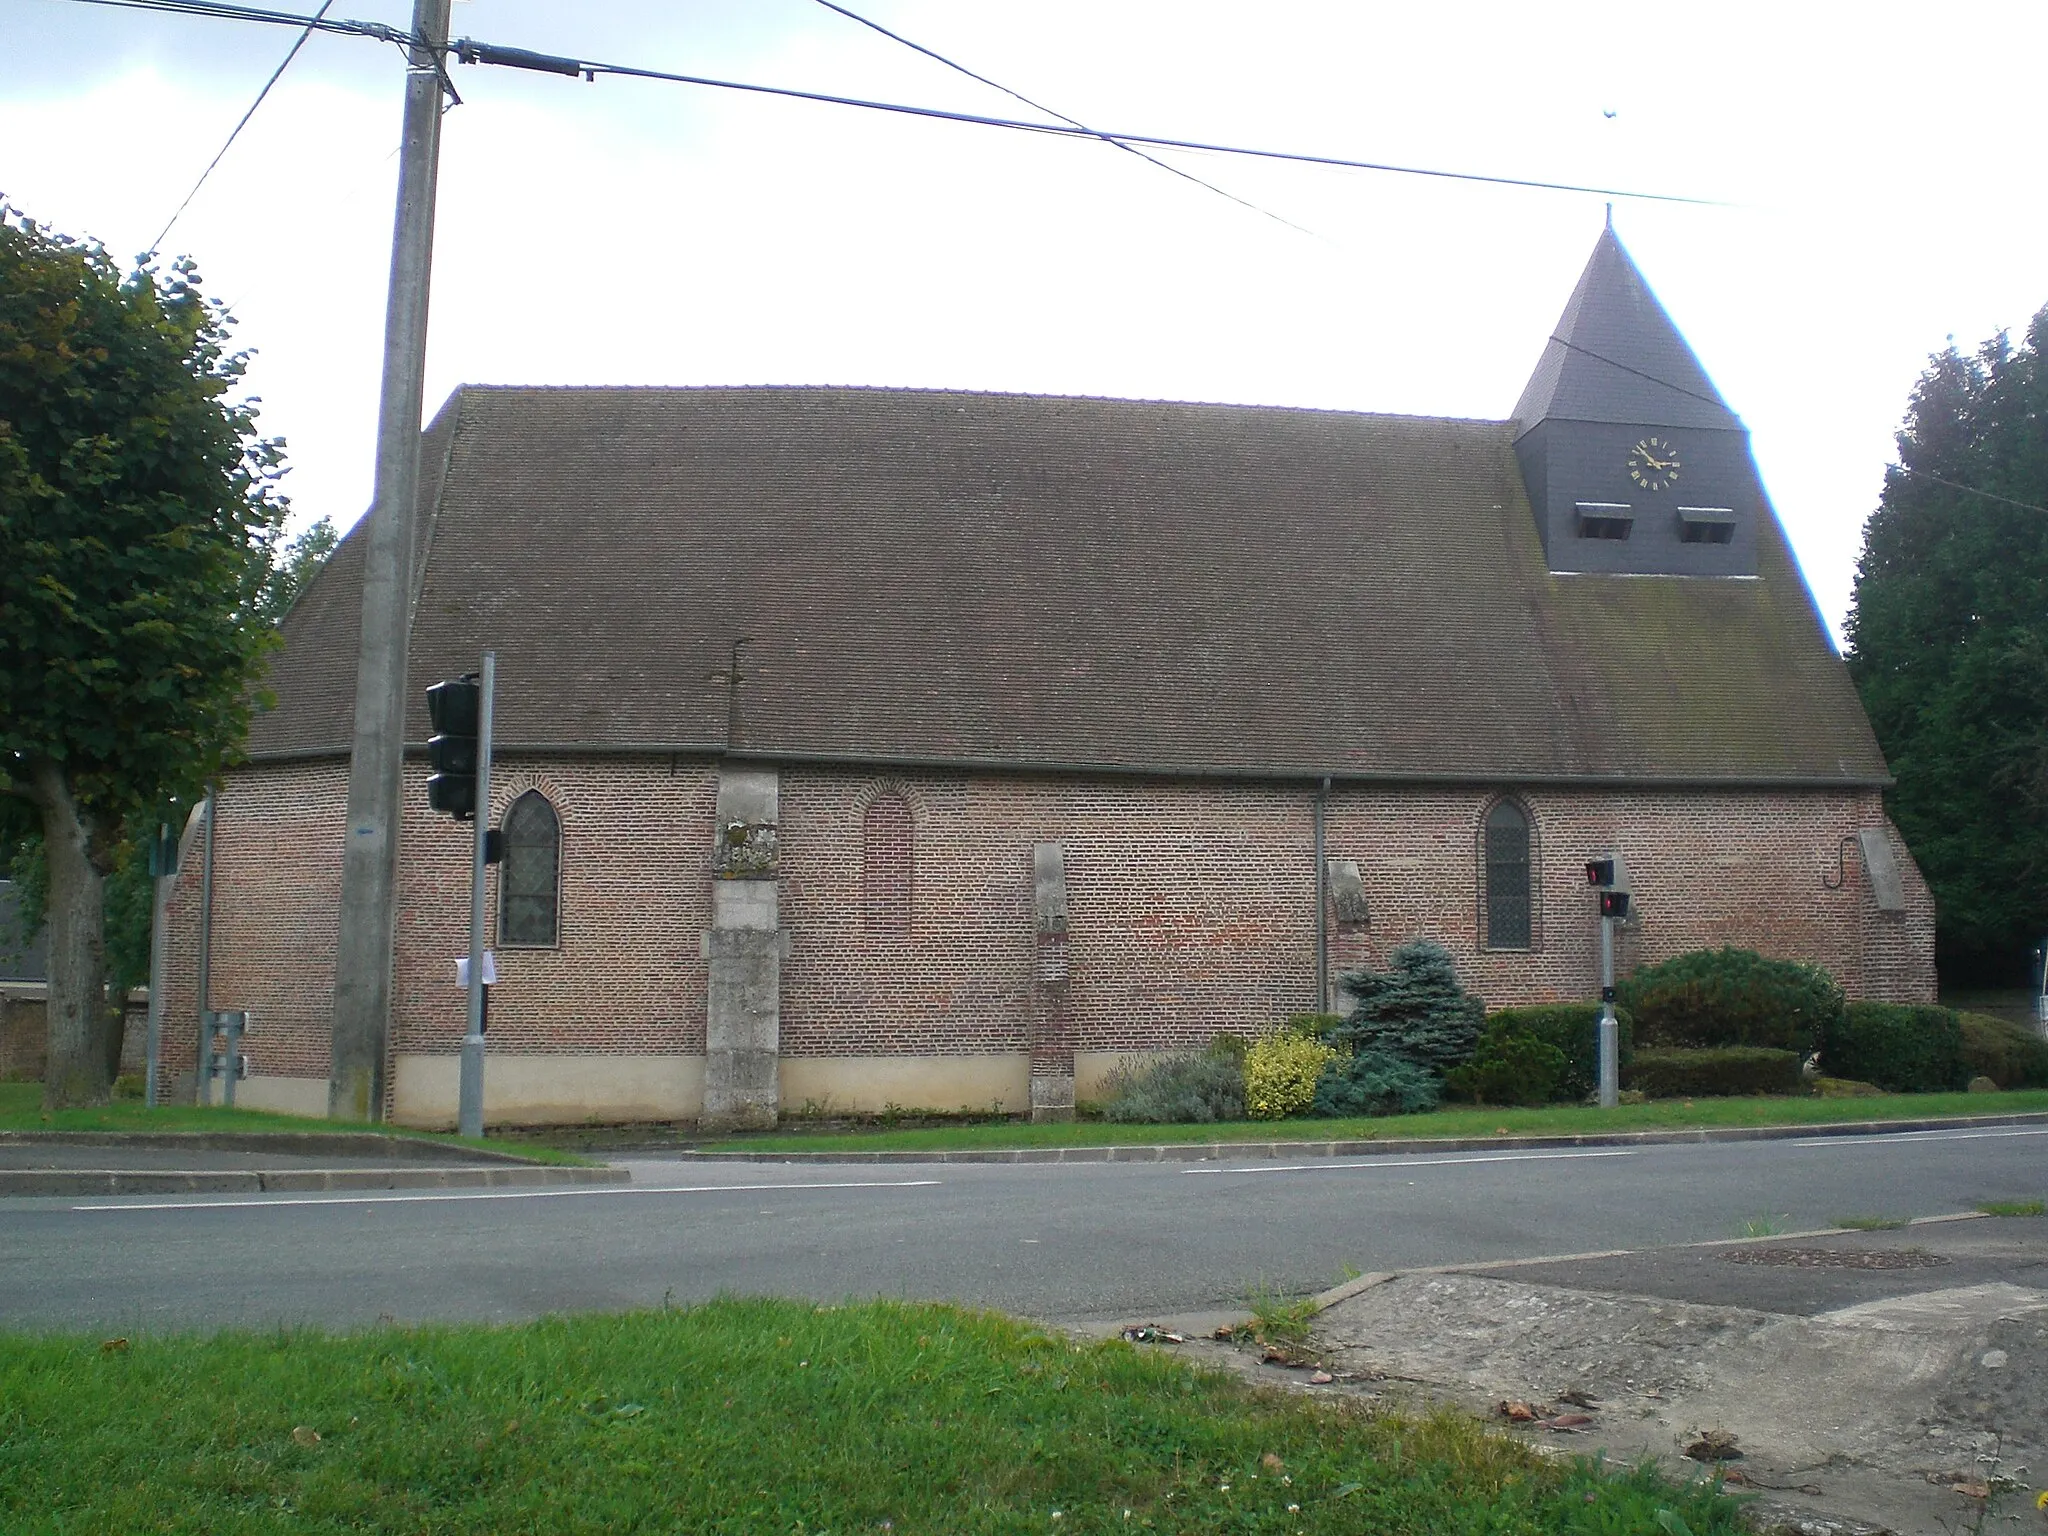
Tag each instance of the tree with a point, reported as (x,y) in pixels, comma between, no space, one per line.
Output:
(1414,1010)
(1948,643)
(138,507)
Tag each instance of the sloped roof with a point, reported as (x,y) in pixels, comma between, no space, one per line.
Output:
(1615,355)
(953,578)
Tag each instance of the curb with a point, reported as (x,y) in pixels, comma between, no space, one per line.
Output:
(296,1143)
(160,1181)
(1345,1290)
(1206,1151)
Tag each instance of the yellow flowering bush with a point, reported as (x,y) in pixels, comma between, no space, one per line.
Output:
(1280,1073)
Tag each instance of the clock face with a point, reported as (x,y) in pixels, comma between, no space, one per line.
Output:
(1653,463)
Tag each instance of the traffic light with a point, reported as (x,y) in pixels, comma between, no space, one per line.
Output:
(1600,871)
(452,750)
(1614,904)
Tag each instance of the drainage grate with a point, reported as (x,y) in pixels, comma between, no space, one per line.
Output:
(1837,1258)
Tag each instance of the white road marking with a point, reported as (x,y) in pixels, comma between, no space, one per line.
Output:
(1396,1162)
(1912,1136)
(258,1202)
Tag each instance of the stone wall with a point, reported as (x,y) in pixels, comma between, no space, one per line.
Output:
(1190,908)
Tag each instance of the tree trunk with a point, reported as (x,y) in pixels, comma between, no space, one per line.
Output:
(77,1009)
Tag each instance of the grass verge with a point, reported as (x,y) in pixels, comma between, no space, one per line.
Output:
(1559,1120)
(765,1417)
(2014,1207)
(21,1109)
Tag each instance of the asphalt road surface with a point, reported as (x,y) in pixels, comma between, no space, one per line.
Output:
(1063,1243)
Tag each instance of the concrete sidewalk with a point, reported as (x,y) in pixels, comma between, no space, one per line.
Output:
(84,1163)
(1870,1380)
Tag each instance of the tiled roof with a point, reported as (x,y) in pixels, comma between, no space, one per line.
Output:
(940,577)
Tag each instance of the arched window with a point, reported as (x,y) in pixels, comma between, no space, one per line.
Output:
(1508,905)
(530,880)
(885,865)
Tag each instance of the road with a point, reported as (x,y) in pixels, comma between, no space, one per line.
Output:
(1063,1243)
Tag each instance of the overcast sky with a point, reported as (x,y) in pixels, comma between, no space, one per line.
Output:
(1881,164)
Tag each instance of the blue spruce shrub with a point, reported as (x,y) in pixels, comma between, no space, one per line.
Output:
(1374,1083)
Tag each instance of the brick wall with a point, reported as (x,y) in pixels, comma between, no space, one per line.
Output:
(1191,904)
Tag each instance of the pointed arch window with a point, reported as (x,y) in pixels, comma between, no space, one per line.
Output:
(1509,898)
(530,880)
(885,865)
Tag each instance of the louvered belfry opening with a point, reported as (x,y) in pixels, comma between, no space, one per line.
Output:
(529,913)
(1508,904)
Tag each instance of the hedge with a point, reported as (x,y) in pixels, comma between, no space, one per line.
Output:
(1722,1072)
(1574,1029)
(2010,1054)
(1903,1048)
(1722,997)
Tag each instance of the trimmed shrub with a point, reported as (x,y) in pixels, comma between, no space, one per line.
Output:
(1723,1072)
(1228,1047)
(1722,997)
(1280,1074)
(1574,1029)
(1415,1009)
(1316,1026)
(1510,1067)
(1374,1083)
(2010,1054)
(1175,1090)
(1901,1048)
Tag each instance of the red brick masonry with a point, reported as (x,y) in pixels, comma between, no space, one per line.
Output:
(908,902)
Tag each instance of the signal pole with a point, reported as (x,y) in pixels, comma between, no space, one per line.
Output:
(369,864)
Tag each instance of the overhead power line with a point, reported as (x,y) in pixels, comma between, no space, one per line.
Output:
(222,10)
(1968,490)
(1039,106)
(275,75)
(471,51)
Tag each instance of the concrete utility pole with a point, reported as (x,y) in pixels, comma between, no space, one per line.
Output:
(369,865)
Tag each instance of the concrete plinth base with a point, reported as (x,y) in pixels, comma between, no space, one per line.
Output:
(1052,1098)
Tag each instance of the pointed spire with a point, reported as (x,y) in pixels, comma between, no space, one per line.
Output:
(1616,356)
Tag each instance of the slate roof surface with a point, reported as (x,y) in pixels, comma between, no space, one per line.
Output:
(1615,355)
(943,577)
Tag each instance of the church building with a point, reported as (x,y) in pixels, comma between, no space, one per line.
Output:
(869,747)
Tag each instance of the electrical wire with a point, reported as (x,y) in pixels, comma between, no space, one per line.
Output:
(1039,106)
(1967,490)
(275,75)
(221,10)
(470,51)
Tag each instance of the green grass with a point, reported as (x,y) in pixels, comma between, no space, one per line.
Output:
(1868,1223)
(21,1109)
(1766,1225)
(1559,1120)
(767,1418)
(2014,1207)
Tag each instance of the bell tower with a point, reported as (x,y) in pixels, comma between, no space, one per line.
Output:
(1634,463)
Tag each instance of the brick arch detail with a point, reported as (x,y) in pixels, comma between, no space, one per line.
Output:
(1483,929)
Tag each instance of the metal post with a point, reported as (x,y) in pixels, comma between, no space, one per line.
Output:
(369,868)
(470,1112)
(1610,1032)
(1322,902)
(201,1089)
(231,1056)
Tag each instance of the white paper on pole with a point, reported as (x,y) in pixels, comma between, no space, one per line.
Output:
(490,969)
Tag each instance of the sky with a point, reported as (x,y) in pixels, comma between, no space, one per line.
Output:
(1875,170)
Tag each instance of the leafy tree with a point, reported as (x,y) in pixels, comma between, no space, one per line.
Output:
(138,507)
(1948,643)
(1415,1010)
